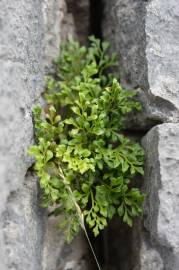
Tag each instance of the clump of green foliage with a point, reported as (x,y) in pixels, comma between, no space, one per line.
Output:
(84,163)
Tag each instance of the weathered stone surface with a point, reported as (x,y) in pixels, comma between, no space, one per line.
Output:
(81,13)
(145,35)
(58,255)
(58,25)
(149,258)
(162,202)
(20,87)
(124,27)
(63,19)
(22,224)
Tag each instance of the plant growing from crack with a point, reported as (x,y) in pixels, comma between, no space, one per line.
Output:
(84,163)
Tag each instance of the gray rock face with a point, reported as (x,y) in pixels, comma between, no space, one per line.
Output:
(145,36)
(124,27)
(28,239)
(63,19)
(80,11)
(58,255)
(161,186)
(20,86)
(58,25)
(22,224)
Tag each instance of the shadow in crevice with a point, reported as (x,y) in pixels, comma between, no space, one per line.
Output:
(81,13)
(96,14)
(117,246)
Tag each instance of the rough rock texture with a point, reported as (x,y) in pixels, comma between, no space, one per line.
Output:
(81,13)
(63,19)
(162,203)
(58,25)
(22,224)
(124,27)
(57,255)
(145,36)
(20,86)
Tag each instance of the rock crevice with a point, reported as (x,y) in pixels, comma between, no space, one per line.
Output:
(145,35)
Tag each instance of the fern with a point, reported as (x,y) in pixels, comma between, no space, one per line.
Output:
(84,163)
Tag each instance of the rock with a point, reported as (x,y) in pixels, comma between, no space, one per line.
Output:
(124,27)
(161,216)
(149,258)
(58,26)
(63,19)
(58,255)
(21,82)
(80,11)
(28,239)
(22,224)
(145,36)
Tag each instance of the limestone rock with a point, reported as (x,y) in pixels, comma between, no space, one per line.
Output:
(149,258)
(22,224)
(26,234)
(80,11)
(145,36)
(20,86)
(162,189)
(63,19)
(58,25)
(58,255)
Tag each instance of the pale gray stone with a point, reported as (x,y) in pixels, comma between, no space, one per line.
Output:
(161,186)
(58,255)
(22,224)
(28,239)
(58,25)
(80,11)
(145,35)
(63,19)
(20,86)
(150,258)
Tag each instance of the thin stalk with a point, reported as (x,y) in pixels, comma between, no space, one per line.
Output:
(80,215)
(89,242)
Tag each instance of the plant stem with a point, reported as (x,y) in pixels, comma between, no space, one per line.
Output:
(80,215)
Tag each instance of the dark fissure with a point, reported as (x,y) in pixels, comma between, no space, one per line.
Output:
(117,246)
(96,13)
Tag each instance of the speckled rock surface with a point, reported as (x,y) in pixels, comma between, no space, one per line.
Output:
(80,10)
(28,238)
(161,186)
(63,19)
(58,255)
(124,27)
(58,25)
(20,86)
(145,35)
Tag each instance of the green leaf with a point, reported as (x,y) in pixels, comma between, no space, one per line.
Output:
(120,210)
(76,110)
(83,162)
(49,155)
(85,188)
